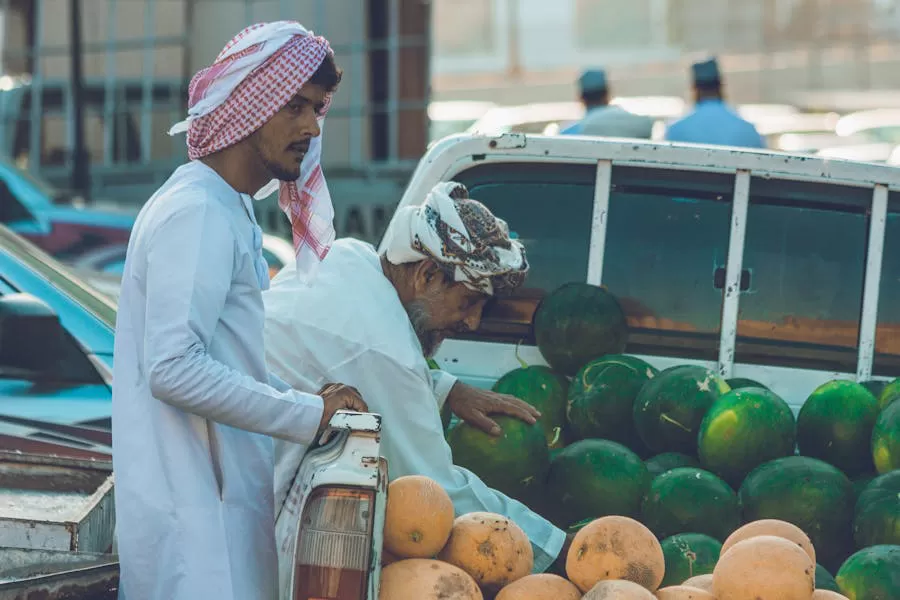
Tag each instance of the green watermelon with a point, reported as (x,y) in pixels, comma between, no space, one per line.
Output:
(690,500)
(824,580)
(670,407)
(835,425)
(742,430)
(576,323)
(545,390)
(515,462)
(594,478)
(667,461)
(871,574)
(688,555)
(811,494)
(860,482)
(886,439)
(875,386)
(446,417)
(737,383)
(890,393)
(601,398)
(877,513)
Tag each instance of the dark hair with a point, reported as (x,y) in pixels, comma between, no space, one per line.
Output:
(595,97)
(328,75)
(708,89)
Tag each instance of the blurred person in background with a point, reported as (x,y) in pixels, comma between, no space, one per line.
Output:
(602,118)
(712,121)
(193,402)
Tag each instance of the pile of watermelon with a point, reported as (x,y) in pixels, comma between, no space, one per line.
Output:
(691,455)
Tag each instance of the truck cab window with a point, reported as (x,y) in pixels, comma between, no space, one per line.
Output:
(548,207)
(805,251)
(666,238)
(887,335)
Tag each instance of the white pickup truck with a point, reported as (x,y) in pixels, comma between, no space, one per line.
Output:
(783,269)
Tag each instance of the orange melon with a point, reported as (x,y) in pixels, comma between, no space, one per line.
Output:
(683,592)
(828,595)
(388,557)
(764,566)
(489,547)
(701,582)
(425,579)
(618,589)
(418,518)
(615,547)
(542,586)
(775,527)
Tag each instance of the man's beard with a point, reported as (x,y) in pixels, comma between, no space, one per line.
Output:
(420,317)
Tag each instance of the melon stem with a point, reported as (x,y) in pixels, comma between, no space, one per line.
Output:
(668,419)
(521,362)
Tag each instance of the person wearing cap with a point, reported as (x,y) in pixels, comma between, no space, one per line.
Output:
(373,320)
(712,120)
(602,118)
(193,404)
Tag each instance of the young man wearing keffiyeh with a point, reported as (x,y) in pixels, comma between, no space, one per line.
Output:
(372,320)
(193,402)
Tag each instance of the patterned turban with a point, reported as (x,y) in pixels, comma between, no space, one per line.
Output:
(255,76)
(462,237)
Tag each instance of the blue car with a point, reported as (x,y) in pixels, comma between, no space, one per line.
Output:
(35,210)
(56,350)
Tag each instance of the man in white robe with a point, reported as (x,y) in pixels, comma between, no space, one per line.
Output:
(193,402)
(371,321)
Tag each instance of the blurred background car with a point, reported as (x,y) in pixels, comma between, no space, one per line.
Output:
(103,266)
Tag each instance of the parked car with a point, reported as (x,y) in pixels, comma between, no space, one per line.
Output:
(102,268)
(38,212)
(56,351)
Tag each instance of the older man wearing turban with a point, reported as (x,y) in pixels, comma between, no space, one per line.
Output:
(372,320)
(193,402)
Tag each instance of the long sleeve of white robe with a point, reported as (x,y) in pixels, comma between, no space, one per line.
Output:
(182,312)
(413,442)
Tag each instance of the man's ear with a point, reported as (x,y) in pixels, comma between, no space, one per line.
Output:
(426,274)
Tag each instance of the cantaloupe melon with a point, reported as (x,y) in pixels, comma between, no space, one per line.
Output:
(683,592)
(702,582)
(618,589)
(828,595)
(764,566)
(388,557)
(425,579)
(489,547)
(775,527)
(542,586)
(418,518)
(615,547)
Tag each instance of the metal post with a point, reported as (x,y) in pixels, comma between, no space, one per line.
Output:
(393,103)
(731,298)
(868,322)
(147,80)
(80,159)
(357,94)
(599,222)
(514,61)
(109,94)
(35,120)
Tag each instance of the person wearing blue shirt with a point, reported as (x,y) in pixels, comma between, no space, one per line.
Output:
(602,118)
(712,120)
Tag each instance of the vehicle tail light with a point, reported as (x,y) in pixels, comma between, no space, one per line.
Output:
(334,545)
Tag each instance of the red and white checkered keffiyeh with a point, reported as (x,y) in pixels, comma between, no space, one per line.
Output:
(255,76)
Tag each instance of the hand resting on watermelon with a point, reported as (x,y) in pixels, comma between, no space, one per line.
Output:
(473,405)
